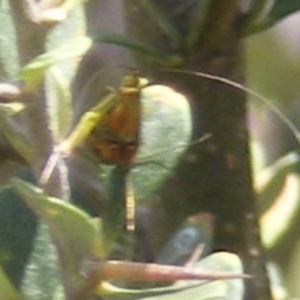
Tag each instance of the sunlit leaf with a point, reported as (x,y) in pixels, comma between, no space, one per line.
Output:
(270,181)
(9,62)
(277,281)
(33,72)
(292,271)
(59,10)
(73,231)
(285,209)
(11,108)
(165,135)
(59,99)
(59,76)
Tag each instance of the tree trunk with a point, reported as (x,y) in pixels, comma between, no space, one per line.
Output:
(215,176)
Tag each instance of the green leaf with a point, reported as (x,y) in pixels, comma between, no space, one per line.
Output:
(43,260)
(279,10)
(59,99)
(17,232)
(60,76)
(270,181)
(285,208)
(160,18)
(165,135)
(7,291)
(11,108)
(68,225)
(33,72)
(120,40)
(69,4)
(59,13)
(74,233)
(278,280)
(9,60)
(12,131)
(197,22)
(191,290)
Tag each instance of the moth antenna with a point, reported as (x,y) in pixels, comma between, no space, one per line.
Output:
(167,149)
(249,91)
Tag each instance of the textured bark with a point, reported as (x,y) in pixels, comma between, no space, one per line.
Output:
(215,176)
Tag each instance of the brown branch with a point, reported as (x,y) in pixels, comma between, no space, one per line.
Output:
(220,24)
(218,178)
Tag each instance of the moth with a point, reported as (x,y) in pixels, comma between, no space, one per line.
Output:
(115,137)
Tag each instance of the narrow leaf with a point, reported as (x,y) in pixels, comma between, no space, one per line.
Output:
(160,18)
(197,22)
(279,10)
(11,108)
(74,233)
(43,260)
(120,40)
(9,60)
(12,132)
(69,225)
(270,181)
(285,209)
(59,100)
(57,13)
(34,71)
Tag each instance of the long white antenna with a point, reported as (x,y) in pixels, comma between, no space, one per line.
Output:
(249,91)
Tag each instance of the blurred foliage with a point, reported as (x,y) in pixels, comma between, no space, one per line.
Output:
(276,75)
(47,262)
(282,86)
(276,11)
